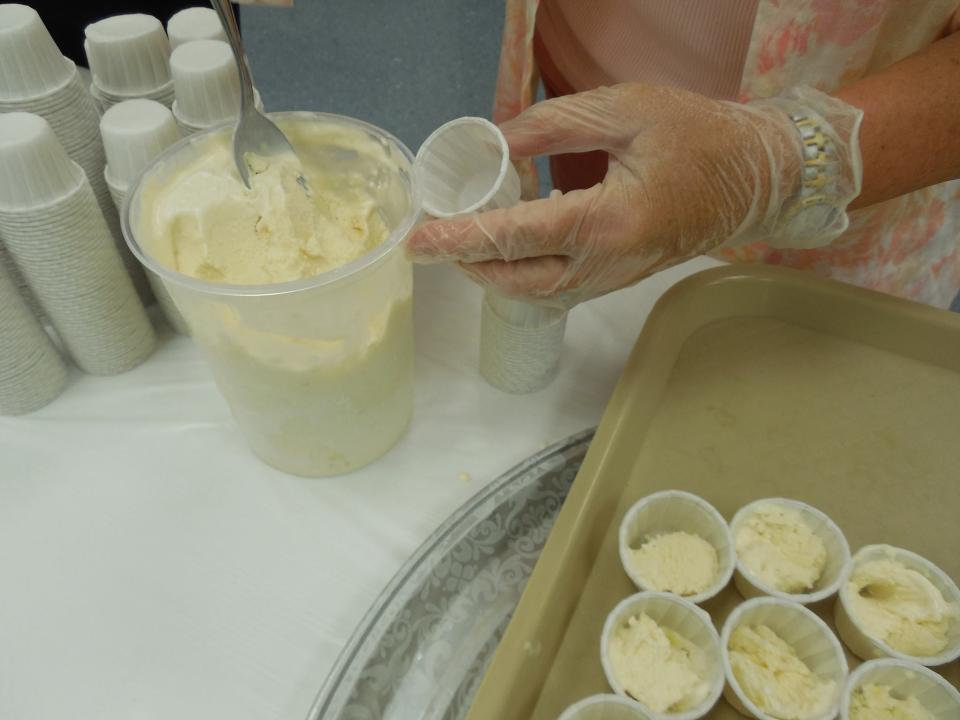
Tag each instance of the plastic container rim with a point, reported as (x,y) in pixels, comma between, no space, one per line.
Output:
(283,288)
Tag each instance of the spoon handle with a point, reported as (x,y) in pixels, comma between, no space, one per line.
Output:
(224,9)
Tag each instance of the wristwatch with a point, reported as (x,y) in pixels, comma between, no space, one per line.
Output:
(819,199)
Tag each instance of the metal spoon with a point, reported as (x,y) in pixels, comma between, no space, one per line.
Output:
(255,133)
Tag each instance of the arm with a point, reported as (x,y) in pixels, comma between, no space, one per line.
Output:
(688,174)
(910,136)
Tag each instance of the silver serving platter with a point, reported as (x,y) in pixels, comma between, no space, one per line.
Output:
(421,650)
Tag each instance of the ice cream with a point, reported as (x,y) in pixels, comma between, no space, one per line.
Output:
(658,667)
(318,373)
(874,702)
(677,562)
(275,231)
(900,606)
(775,679)
(777,547)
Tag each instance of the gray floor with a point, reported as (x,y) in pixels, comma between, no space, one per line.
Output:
(404,65)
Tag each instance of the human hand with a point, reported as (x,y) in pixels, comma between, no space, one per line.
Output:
(686,174)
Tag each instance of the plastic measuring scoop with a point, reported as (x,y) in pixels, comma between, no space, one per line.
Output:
(463,167)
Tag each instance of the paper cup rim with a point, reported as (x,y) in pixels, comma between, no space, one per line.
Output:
(726,568)
(156,93)
(950,653)
(501,173)
(733,621)
(856,677)
(716,682)
(801,598)
(600,699)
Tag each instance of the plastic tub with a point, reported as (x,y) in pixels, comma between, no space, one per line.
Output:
(318,372)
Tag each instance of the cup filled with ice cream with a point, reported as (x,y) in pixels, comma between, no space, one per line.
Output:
(782,662)
(895,603)
(301,299)
(788,549)
(663,652)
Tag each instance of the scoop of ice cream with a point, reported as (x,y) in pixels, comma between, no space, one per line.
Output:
(772,675)
(658,667)
(875,702)
(900,606)
(677,562)
(216,229)
(778,548)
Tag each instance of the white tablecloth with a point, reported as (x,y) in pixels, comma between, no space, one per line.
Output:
(151,567)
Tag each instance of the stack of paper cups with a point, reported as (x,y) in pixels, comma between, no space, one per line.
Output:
(134,132)
(56,234)
(8,266)
(32,373)
(464,167)
(196,23)
(129,57)
(36,78)
(207,85)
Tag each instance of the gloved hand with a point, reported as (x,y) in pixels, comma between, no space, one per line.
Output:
(686,174)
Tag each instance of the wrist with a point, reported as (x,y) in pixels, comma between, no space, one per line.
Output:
(812,148)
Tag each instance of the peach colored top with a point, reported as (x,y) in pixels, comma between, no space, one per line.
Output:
(907,246)
(700,46)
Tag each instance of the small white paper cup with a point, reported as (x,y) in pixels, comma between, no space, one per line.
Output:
(34,167)
(860,641)
(905,678)
(128,55)
(195,23)
(686,620)
(33,66)
(206,82)
(464,166)
(798,626)
(672,511)
(134,132)
(604,707)
(835,542)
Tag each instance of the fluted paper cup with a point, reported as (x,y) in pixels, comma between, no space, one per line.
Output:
(195,23)
(31,64)
(675,511)
(834,541)
(128,55)
(134,133)
(686,620)
(464,166)
(34,168)
(800,628)
(866,645)
(206,82)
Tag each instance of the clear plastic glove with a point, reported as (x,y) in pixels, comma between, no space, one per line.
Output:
(686,174)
